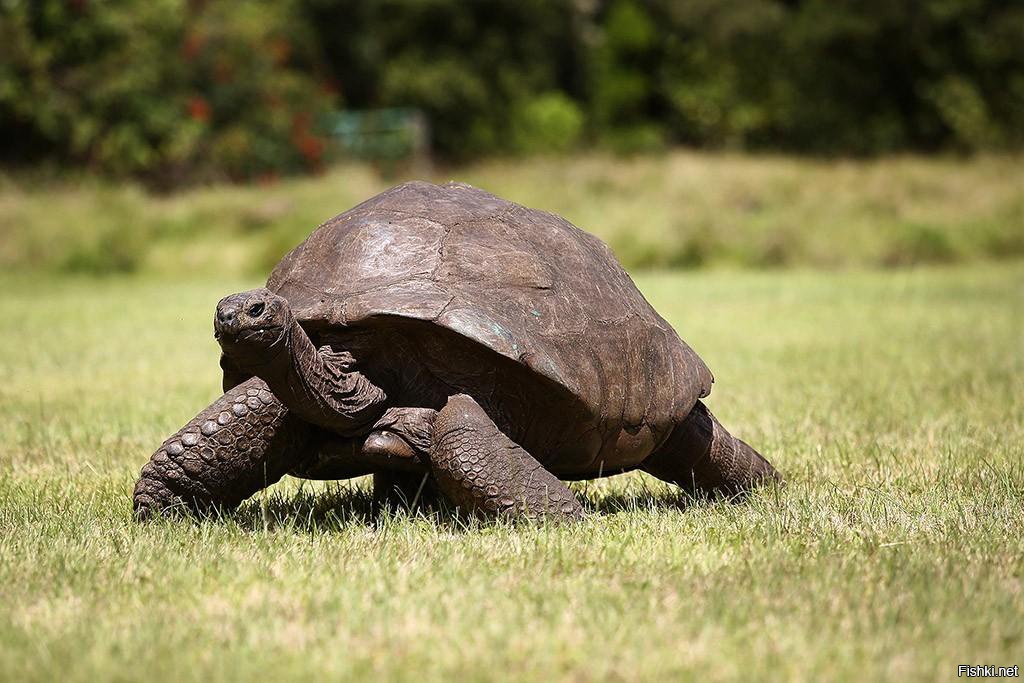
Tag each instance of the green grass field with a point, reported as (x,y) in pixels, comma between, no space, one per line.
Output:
(892,400)
(678,209)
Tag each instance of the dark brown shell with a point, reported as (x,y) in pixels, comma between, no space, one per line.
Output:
(525,283)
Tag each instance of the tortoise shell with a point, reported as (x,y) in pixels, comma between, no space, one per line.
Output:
(525,284)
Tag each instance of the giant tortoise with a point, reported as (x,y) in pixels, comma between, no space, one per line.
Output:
(439,337)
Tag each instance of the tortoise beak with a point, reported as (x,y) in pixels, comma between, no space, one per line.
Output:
(227,321)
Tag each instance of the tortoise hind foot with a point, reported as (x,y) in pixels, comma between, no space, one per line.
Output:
(244,441)
(701,455)
(758,469)
(482,470)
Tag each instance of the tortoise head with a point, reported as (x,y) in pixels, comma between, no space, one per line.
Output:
(252,326)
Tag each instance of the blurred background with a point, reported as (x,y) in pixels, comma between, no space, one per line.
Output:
(214,135)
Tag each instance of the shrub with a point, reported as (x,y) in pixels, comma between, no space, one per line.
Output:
(177,89)
(162,90)
(548,123)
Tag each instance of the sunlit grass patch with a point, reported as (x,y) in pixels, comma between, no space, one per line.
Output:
(682,209)
(892,401)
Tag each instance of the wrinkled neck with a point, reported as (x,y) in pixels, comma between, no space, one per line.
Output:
(320,385)
(296,355)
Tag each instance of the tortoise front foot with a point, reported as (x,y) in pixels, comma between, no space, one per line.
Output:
(480,469)
(244,441)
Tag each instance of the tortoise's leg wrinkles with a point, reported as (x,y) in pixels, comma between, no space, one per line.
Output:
(701,455)
(479,468)
(243,442)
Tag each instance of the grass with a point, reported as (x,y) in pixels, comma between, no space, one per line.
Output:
(893,401)
(679,209)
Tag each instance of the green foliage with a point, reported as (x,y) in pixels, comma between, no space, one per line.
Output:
(159,89)
(814,75)
(621,87)
(548,123)
(675,210)
(635,138)
(917,244)
(175,89)
(963,110)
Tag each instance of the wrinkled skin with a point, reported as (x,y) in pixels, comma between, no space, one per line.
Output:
(416,381)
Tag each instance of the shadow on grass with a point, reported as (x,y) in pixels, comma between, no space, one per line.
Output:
(347,506)
(333,509)
(640,501)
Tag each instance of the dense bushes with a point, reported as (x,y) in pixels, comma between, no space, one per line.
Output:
(168,87)
(860,76)
(159,88)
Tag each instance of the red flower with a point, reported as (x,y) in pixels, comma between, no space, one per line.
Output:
(280,49)
(192,46)
(199,109)
(223,71)
(312,148)
(330,87)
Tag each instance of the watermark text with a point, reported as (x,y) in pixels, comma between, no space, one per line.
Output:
(987,671)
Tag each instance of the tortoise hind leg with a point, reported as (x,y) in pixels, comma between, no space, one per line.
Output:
(700,455)
(480,469)
(244,441)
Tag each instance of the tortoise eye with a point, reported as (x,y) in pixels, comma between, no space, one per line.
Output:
(256,310)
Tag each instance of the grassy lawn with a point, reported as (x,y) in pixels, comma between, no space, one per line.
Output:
(678,209)
(893,401)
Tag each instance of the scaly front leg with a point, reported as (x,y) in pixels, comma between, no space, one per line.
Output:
(471,462)
(243,442)
(479,468)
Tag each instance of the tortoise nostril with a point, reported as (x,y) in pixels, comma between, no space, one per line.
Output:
(256,310)
(225,314)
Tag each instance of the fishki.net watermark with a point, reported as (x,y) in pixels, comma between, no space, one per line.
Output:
(987,671)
